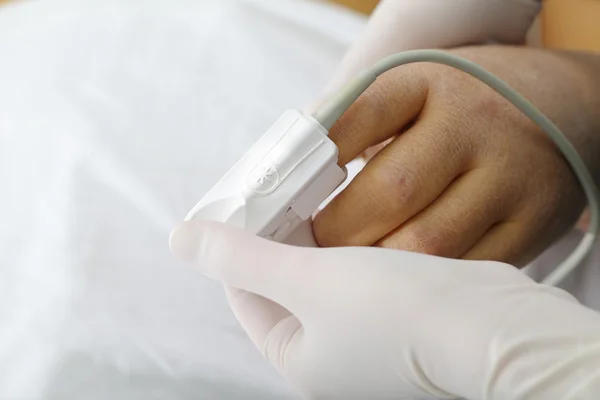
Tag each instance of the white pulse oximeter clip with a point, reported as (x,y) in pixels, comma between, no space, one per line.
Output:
(279,182)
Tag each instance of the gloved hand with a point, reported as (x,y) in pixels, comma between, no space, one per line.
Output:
(369,323)
(466,174)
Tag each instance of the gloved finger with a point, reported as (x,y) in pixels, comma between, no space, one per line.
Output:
(275,271)
(383,110)
(457,220)
(256,314)
(272,328)
(399,182)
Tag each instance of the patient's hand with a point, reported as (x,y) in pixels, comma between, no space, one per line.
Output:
(466,174)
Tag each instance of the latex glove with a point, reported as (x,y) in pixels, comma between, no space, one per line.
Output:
(400,25)
(466,175)
(368,323)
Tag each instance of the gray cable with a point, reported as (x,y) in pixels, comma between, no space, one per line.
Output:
(337,105)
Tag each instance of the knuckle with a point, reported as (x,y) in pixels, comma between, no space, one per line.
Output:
(429,243)
(489,107)
(395,184)
(450,136)
(380,105)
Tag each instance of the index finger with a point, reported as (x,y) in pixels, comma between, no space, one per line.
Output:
(383,110)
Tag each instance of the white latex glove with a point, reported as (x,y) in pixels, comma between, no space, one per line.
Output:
(400,25)
(371,323)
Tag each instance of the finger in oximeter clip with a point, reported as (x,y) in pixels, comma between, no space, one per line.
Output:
(279,182)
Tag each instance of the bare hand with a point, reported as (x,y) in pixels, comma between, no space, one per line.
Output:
(465,174)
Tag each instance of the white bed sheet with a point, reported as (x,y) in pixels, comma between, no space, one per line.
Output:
(115,118)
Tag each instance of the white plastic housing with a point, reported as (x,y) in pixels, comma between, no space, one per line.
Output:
(279,182)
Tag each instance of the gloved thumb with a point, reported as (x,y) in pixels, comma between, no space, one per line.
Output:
(243,261)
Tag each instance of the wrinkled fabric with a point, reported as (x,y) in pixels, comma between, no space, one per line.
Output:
(115,118)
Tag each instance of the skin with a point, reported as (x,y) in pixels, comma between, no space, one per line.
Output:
(462,173)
